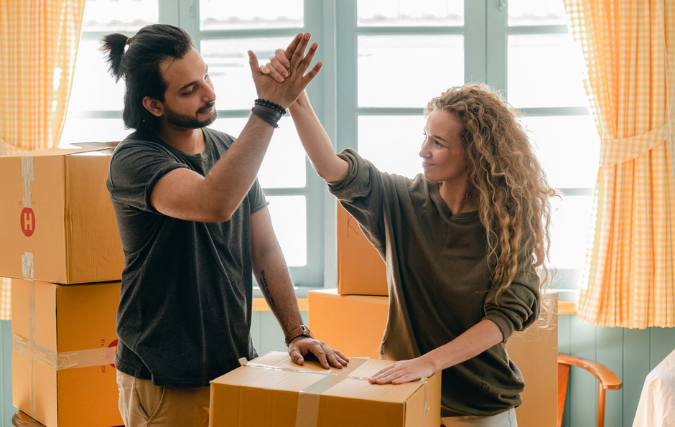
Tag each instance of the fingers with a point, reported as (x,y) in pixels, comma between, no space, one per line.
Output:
(253,63)
(288,53)
(299,52)
(315,70)
(320,354)
(304,64)
(342,356)
(296,355)
(280,54)
(274,71)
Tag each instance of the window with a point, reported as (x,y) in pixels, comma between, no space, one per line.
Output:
(384,59)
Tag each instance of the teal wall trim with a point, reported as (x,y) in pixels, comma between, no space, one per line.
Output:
(6,408)
(630,353)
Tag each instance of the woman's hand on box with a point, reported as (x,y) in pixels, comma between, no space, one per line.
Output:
(299,348)
(404,371)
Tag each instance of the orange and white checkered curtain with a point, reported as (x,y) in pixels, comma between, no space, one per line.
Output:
(629,52)
(38,47)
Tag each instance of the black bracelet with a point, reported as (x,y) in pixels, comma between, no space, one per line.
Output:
(266,103)
(267,114)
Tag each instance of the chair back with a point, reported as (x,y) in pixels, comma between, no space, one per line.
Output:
(607,380)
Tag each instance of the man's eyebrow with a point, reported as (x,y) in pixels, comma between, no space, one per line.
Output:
(194,82)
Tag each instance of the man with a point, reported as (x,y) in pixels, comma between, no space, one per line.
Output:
(193,223)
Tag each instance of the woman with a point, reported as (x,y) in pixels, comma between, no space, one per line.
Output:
(461,243)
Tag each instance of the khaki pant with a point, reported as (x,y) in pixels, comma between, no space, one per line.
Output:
(505,419)
(143,404)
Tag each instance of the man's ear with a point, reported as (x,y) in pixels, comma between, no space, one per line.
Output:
(154,106)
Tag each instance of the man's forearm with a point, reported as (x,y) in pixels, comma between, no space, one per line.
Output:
(276,285)
(231,177)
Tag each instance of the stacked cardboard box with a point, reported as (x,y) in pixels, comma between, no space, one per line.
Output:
(62,250)
(361,305)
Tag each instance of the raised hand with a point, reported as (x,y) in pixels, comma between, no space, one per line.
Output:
(287,91)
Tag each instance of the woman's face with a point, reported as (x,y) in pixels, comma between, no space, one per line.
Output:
(442,152)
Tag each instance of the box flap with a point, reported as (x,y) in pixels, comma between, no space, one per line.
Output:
(48,152)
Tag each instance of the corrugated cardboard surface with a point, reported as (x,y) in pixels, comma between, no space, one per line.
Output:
(361,270)
(67,318)
(253,396)
(75,237)
(362,320)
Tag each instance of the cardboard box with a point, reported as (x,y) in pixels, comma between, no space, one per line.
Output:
(361,270)
(62,371)
(273,391)
(363,319)
(54,204)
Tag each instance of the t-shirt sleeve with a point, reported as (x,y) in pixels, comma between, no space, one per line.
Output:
(256,197)
(519,305)
(360,193)
(134,171)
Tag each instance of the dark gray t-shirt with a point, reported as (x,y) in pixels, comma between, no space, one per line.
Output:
(185,312)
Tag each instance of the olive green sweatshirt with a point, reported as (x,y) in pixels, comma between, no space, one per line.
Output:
(439,281)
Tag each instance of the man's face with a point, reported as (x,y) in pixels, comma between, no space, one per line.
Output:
(189,100)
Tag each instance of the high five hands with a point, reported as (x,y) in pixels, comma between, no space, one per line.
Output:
(280,63)
(285,90)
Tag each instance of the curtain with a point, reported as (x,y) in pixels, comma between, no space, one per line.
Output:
(629,53)
(38,47)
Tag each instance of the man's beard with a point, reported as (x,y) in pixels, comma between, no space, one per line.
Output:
(190,122)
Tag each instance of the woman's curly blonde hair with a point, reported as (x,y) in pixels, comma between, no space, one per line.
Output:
(505,181)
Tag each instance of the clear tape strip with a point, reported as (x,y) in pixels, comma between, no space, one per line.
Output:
(67,359)
(28,175)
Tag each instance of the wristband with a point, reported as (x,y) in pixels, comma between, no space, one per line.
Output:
(268,114)
(266,103)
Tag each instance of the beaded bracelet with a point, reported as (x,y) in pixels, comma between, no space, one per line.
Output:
(270,115)
(271,104)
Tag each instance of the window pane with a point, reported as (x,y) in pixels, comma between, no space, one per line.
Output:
(92,130)
(289,219)
(93,87)
(392,143)
(372,13)
(407,71)
(284,163)
(229,70)
(252,14)
(119,15)
(537,12)
(568,147)
(569,231)
(545,70)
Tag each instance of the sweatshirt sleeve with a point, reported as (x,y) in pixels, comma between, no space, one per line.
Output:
(519,305)
(361,194)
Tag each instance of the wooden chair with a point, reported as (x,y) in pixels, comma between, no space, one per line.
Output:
(607,380)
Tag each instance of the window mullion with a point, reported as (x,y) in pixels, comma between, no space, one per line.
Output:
(475,53)
(496,23)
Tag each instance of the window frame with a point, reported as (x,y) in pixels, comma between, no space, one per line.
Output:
(333,23)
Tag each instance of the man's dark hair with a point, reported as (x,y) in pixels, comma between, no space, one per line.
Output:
(139,66)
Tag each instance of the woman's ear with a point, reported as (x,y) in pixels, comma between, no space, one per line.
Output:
(154,106)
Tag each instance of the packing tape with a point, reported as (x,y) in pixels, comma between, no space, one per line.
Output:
(28,274)
(307,414)
(66,359)
(28,175)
